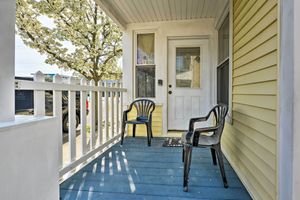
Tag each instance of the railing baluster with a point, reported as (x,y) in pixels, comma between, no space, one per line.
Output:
(106,107)
(112,99)
(39,96)
(57,112)
(121,102)
(72,121)
(106,113)
(100,134)
(83,108)
(117,96)
(92,113)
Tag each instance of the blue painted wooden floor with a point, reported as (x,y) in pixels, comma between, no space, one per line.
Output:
(136,171)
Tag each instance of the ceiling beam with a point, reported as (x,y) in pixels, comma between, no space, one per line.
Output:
(106,7)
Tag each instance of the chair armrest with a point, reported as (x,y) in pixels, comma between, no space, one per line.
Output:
(198,119)
(194,120)
(206,129)
(125,113)
(193,137)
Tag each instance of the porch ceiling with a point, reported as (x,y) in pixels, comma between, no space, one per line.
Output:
(138,11)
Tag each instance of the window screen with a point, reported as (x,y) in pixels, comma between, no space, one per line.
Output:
(223,67)
(223,82)
(145,81)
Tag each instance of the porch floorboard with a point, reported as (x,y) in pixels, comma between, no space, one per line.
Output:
(136,171)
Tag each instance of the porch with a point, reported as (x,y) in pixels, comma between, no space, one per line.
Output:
(136,171)
(260,139)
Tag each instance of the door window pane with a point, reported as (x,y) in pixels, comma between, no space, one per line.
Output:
(188,67)
(145,81)
(145,48)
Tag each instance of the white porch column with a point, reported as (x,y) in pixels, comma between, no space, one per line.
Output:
(7,59)
(296,166)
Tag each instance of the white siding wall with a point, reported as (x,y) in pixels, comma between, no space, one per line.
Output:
(163,30)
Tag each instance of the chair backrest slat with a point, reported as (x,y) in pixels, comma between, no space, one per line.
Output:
(220,112)
(144,107)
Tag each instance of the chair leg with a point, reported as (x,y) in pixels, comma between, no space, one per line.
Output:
(183,152)
(151,130)
(123,132)
(187,165)
(133,130)
(213,155)
(221,164)
(148,134)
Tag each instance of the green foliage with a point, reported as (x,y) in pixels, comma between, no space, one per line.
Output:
(81,23)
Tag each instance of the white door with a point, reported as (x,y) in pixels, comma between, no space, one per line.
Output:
(188,81)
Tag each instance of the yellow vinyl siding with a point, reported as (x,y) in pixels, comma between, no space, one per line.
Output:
(250,142)
(156,123)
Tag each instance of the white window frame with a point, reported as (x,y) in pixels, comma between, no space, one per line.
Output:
(136,33)
(228,12)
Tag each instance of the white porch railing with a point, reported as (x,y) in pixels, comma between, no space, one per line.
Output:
(85,143)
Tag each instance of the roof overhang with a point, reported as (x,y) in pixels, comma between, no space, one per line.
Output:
(124,12)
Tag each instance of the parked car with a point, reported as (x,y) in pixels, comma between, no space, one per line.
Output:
(24,105)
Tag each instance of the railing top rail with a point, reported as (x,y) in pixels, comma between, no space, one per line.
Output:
(42,86)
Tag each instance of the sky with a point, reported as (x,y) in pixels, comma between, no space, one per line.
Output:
(29,61)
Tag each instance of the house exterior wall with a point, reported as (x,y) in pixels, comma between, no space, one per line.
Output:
(250,141)
(163,31)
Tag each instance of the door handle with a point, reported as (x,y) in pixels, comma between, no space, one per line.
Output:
(170,92)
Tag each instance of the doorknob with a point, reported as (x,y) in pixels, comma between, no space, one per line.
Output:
(170,92)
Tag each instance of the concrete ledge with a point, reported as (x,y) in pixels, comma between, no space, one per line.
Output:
(29,158)
(22,120)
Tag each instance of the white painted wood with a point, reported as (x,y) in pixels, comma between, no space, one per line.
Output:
(286,102)
(92,116)
(39,96)
(100,117)
(112,111)
(229,114)
(29,159)
(31,85)
(185,103)
(140,11)
(203,28)
(118,5)
(72,121)
(296,164)
(117,96)
(106,113)
(89,156)
(135,11)
(114,15)
(222,12)
(57,112)
(83,108)
(121,106)
(7,75)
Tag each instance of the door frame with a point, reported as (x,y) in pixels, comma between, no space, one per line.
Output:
(212,73)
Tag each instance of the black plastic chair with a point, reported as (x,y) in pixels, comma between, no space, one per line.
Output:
(196,138)
(144,108)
